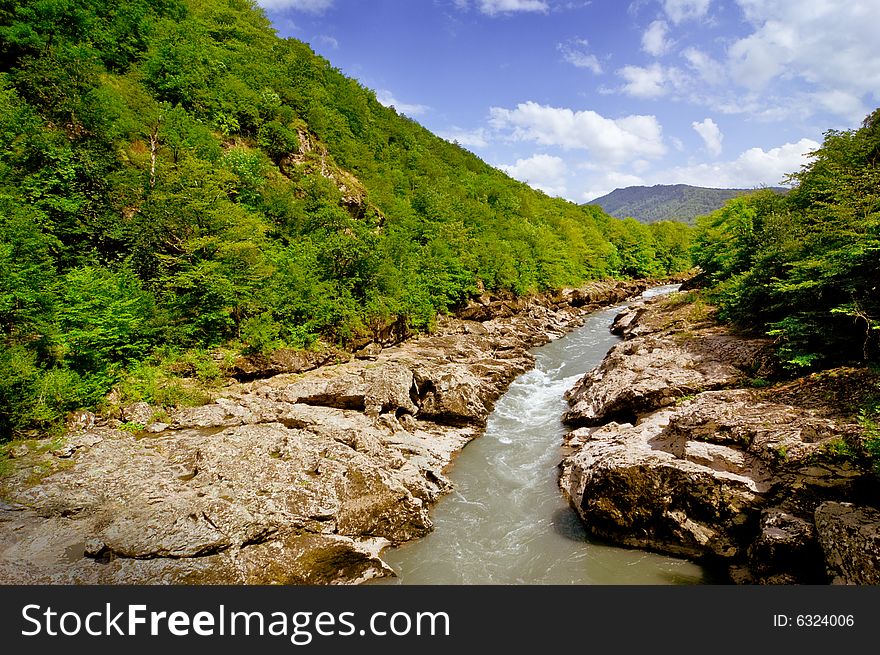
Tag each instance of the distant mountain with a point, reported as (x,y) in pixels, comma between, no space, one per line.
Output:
(676,202)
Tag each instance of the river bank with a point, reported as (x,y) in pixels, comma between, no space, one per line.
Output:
(294,478)
(686,441)
(505,522)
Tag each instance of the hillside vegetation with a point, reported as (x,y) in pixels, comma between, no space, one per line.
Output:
(805,267)
(177,182)
(663,202)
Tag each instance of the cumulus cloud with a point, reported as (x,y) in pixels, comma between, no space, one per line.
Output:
(604,182)
(544,172)
(495,7)
(706,67)
(754,167)
(682,10)
(386,98)
(308,6)
(650,82)
(711,135)
(829,45)
(575,53)
(608,140)
(751,169)
(467,138)
(654,39)
(842,103)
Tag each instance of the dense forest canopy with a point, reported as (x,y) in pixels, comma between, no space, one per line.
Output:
(175,180)
(805,267)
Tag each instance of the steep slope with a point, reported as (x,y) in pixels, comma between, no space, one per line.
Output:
(676,202)
(175,178)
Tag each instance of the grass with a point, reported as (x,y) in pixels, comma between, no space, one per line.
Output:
(679,299)
(170,379)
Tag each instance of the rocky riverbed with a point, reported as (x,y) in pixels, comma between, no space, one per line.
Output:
(681,444)
(300,477)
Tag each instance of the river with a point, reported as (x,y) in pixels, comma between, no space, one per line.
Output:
(506,521)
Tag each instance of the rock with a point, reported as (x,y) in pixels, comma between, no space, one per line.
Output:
(156,427)
(451,394)
(786,550)
(731,475)
(694,480)
(628,488)
(850,539)
(81,420)
(74,442)
(285,360)
(18,451)
(626,320)
(653,371)
(370,351)
(374,389)
(140,413)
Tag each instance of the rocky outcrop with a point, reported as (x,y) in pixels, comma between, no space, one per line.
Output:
(652,369)
(732,475)
(297,478)
(850,538)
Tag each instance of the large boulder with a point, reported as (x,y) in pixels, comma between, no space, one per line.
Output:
(628,487)
(654,371)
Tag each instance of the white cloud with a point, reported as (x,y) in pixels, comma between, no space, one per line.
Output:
(711,135)
(607,181)
(495,7)
(329,40)
(544,172)
(832,46)
(650,82)
(575,53)
(467,138)
(682,10)
(842,103)
(707,68)
(308,6)
(654,40)
(609,140)
(386,98)
(754,167)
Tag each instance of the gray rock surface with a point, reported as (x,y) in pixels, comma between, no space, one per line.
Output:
(651,371)
(710,472)
(301,477)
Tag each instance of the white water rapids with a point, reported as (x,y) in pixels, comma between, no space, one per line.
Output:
(506,521)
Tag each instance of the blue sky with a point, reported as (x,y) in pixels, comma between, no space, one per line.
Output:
(578,98)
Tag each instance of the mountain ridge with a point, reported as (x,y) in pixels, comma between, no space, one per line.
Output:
(663,202)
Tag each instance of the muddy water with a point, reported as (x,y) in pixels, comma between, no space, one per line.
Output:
(506,522)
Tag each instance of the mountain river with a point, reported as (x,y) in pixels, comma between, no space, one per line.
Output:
(506,521)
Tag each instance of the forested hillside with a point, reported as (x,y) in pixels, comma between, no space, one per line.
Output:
(177,182)
(805,267)
(665,202)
